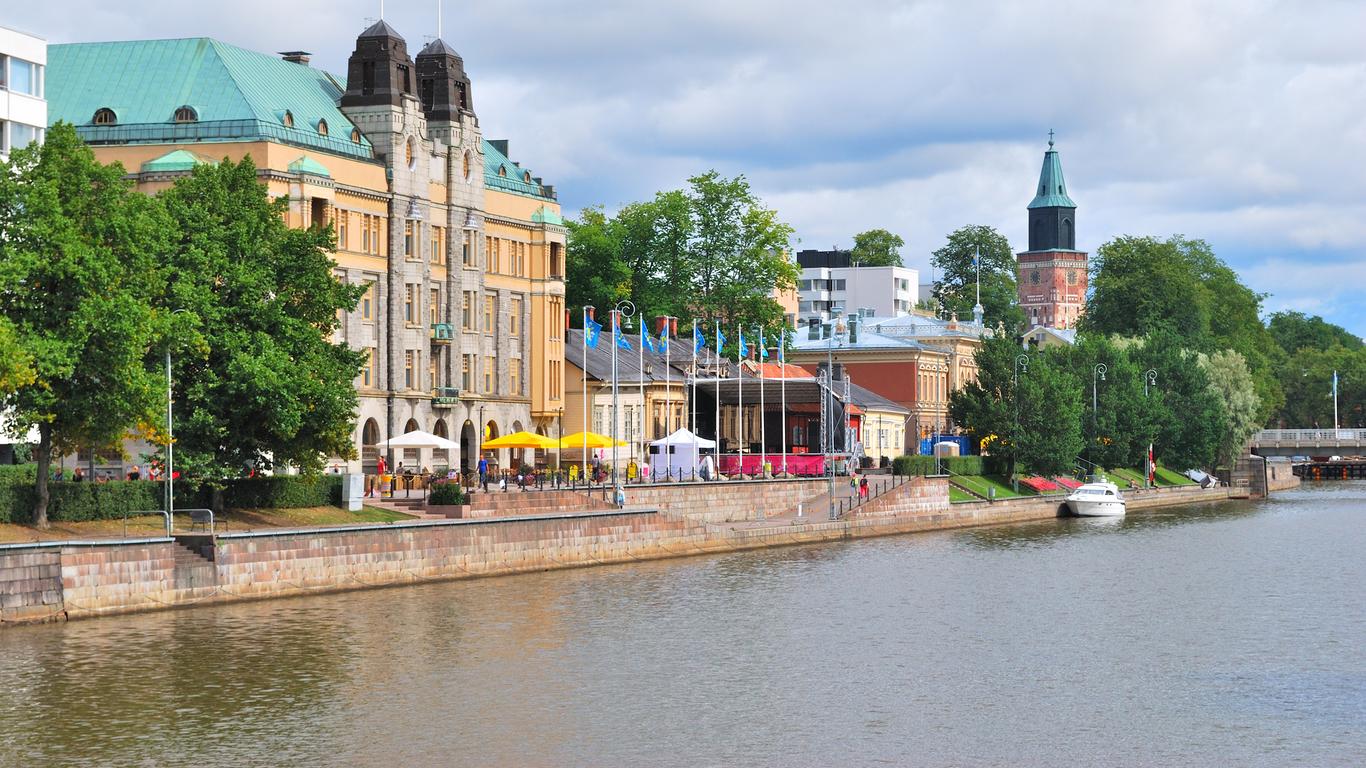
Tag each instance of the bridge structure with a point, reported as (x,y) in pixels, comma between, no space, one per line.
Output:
(1316,444)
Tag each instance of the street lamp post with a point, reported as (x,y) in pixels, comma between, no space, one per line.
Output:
(1097,375)
(1149,379)
(170,450)
(826,409)
(1021,363)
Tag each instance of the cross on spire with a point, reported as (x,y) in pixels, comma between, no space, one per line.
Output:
(1050,138)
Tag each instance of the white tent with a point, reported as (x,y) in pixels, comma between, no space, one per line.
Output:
(678,452)
(420,439)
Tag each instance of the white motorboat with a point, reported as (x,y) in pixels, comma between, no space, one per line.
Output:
(1098,499)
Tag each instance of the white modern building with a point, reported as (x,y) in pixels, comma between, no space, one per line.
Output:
(831,279)
(23,107)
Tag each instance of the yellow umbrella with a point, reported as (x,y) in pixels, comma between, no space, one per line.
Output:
(522,440)
(595,440)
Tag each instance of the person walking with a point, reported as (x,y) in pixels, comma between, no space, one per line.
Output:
(863,488)
(484,473)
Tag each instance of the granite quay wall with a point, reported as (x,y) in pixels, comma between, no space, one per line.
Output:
(725,501)
(1280,476)
(83,579)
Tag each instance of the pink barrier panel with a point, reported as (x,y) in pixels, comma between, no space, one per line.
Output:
(798,464)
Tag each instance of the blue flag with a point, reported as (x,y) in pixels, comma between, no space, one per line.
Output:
(591,331)
(645,342)
(619,336)
(720,340)
(763,345)
(782,344)
(699,340)
(744,348)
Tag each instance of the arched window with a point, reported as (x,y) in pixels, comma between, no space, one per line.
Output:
(503,171)
(186,114)
(322,127)
(1067,241)
(467,165)
(410,153)
(105,116)
(355,135)
(289,119)
(527,177)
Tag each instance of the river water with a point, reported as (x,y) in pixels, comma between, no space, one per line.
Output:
(1232,634)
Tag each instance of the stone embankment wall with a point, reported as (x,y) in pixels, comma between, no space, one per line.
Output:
(95,578)
(725,501)
(1280,476)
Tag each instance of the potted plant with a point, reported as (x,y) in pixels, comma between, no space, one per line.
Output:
(446,497)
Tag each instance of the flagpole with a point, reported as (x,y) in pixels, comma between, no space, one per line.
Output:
(584,456)
(668,400)
(763,443)
(782,363)
(692,402)
(977,263)
(740,394)
(1335,404)
(721,363)
(616,413)
(643,332)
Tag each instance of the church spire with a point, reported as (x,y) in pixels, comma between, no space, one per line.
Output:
(1052,214)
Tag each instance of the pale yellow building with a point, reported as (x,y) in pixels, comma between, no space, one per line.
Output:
(460,247)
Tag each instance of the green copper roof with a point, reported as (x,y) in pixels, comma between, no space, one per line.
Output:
(514,176)
(178,160)
(236,95)
(544,215)
(1052,188)
(308,165)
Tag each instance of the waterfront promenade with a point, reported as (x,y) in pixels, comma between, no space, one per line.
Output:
(66,580)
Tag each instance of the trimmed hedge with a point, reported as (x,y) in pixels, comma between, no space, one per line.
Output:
(925,465)
(72,502)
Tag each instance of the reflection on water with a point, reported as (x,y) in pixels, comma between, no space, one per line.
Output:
(1227,633)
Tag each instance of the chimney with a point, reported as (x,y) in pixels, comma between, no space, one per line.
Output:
(298,57)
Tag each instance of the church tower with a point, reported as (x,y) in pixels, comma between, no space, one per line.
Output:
(1052,277)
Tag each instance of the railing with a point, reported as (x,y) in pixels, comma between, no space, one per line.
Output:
(1309,435)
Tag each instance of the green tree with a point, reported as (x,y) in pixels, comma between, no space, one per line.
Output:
(1140,285)
(878,248)
(1294,331)
(1125,420)
(711,252)
(956,289)
(16,363)
(260,383)
(1050,436)
(78,273)
(985,408)
(1307,379)
(1191,418)
(1232,385)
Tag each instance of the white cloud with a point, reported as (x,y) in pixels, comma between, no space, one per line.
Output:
(1239,121)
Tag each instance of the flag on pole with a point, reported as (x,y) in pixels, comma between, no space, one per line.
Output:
(782,345)
(1152,467)
(699,340)
(763,345)
(591,331)
(720,340)
(621,339)
(744,348)
(645,342)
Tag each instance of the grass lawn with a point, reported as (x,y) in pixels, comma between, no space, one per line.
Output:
(1169,477)
(981,485)
(1122,476)
(958,494)
(236,520)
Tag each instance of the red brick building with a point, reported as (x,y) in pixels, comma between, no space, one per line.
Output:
(1052,278)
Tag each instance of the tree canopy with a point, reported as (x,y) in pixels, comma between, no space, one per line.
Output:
(1294,331)
(1142,285)
(877,248)
(711,252)
(956,288)
(79,275)
(259,380)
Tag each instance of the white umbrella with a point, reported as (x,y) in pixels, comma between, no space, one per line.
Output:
(420,439)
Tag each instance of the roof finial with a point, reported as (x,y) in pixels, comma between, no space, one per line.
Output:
(438,19)
(1050,138)
(381,10)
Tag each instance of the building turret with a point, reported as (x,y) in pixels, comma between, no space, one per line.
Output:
(1052,273)
(379,71)
(443,87)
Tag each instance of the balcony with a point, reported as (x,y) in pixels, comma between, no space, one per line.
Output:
(442,333)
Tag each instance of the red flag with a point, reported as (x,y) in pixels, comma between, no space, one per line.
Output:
(1152,467)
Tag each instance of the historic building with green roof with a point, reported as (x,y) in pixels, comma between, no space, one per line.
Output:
(1052,273)
(461,246)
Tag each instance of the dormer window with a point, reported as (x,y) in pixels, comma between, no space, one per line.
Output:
(105,116)
(186,114)
(503,171)
(355,135)
(288,119)
(527,177)
(322,127)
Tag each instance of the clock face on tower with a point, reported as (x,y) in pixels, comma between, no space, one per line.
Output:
(1034,277)
(1071,277)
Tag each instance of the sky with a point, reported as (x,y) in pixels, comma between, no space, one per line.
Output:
(1239,122)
